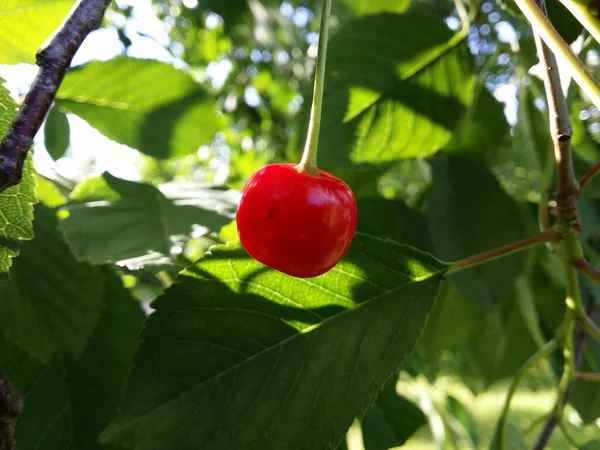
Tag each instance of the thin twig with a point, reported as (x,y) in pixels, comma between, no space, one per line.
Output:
(587,177)
(580,73)
(53,60)
(11,405)
(581,338)
(588,376)
(586,269)
(561,131)
(549,235)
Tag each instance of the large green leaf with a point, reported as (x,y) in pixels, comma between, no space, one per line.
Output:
(385,100)
(135,224)
(26,24)
(503,342)
(239,356)
(68,402)
(16,210)
(441,332)
(145,104)
(51,303)
(391,420)
(470,213)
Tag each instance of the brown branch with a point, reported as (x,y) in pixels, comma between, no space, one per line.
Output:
(588,376)
(11,405)
(53,60)
(586,269)
(567,187)
(548,235)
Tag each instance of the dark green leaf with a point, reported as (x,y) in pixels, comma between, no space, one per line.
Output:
(386,101)
(16,210)
(391,420)
(237,355)
(392,219)
(482,130)
(56,133)
(145,104)
(470,213)
(51,303)
(594,444)
(441,332)
(503,342)
(137,224)
(69,402)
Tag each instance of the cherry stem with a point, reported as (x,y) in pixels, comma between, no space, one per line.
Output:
(308,163)
(551,234)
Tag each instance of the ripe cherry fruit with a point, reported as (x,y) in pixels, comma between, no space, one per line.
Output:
(296,222)
(299,219)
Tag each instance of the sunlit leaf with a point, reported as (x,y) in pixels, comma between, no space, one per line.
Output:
(26,24)
(145,104)
(259,348)
(136,224)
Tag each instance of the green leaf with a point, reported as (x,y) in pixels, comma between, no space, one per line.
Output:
(469,213)
(16,202)
(441,332)
(363,7)
(57,133)
(594,444)
(482,130)
(170,116)
(26,24)
(69,402)
(141,225)
(391,420)
(513,439)
(385,100)
(51,303)
(238,355)
(503,342)
(392,219)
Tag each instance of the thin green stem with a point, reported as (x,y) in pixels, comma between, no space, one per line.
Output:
(308,163)
(464,16)
(581,12)
(542,353)
(589,376)
(561,49)
(568,435)
(568,366)
(551,234)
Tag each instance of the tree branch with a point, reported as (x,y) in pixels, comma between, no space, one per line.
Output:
(53,59)
(567,186)
(11,405)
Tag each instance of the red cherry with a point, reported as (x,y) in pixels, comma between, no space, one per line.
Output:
(296,222)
